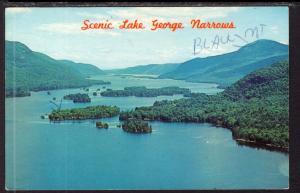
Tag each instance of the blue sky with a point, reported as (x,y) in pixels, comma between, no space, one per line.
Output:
(56,32)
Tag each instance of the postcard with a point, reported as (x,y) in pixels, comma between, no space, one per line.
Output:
(147,98)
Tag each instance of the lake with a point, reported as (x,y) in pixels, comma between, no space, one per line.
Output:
(75,155)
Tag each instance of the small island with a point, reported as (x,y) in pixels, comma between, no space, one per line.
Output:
(142,91)
(136,126)
(92,112)
(101,125)
(78,98)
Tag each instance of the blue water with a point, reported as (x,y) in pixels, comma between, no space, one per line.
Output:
(76,155)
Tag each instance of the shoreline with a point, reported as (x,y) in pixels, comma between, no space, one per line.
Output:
(62,88)
(251,143)
(254,144)
(241,141)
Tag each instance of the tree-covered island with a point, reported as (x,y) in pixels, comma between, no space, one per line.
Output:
(92,112)
(142,91)
(255,108)
(136,126)
(78,98)
(101,125)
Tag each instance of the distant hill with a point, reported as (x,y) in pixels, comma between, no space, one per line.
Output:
(150,69)
(227,68)
(85,69)
(29,70)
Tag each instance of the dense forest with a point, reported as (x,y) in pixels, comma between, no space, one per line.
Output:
(26,70)
(255,108)
(141,91)
(136,126)
(78,98)
(92,112)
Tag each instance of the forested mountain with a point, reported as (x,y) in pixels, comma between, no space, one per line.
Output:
(227,68)
(85,69)
(265,82)
(255,108)
(29,70)
(150,69)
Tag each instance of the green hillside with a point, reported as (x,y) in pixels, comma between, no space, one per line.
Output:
(228,68)
(85,69)
(150,69)
(265,82)
(255,108)
(34,71)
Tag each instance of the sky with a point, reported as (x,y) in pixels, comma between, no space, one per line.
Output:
(57,32)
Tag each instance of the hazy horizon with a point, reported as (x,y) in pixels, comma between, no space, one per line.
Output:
(115,49)
(145,64)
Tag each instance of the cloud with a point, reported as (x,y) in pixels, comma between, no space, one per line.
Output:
(168,54)
(17,10)
(163,14)
(274,30)
(170,14)
(117,17)
(73,29)
(174,12)
(97,16)
(65,28)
